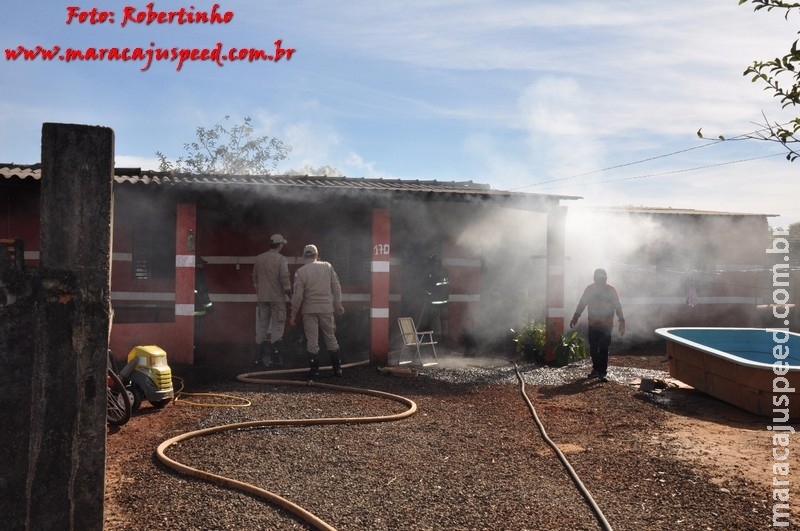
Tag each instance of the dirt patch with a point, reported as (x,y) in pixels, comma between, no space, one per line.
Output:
(726,442)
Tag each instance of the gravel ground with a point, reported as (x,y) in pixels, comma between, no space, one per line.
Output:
(470,458)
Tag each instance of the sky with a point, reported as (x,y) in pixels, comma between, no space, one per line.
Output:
(601,101)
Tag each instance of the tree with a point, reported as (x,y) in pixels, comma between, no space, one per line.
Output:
(233,151)
(775,73)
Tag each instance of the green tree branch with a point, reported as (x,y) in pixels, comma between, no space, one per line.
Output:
(230,151)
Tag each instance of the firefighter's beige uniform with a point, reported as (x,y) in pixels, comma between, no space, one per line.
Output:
(318,294)
(272,284)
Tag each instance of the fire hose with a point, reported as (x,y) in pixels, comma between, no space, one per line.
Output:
(269,496)
(578,483)
(292,507)
(234,401)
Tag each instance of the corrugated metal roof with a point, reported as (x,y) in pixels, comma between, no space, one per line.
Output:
(21,171)
(199,181)
(665,211)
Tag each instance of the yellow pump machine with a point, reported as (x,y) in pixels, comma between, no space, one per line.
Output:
(148,376)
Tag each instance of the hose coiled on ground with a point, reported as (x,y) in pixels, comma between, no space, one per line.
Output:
(233,401)
(263,493)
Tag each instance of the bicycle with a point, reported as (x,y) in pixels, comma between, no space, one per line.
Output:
(118,400)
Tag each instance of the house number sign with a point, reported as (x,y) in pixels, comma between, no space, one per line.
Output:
(381,249)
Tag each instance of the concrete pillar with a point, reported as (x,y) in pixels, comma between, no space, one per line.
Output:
(379,309)
(63,486)
(556,236)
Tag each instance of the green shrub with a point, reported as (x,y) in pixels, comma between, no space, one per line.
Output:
(570,347)
(530,340)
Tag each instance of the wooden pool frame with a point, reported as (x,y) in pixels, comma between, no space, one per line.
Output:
(738,381)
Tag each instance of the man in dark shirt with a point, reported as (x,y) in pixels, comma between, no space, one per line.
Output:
(603,302)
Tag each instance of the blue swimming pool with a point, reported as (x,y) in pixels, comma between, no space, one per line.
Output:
(748,346)
(751,368)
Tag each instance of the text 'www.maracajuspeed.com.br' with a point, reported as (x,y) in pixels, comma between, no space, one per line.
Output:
(217,54)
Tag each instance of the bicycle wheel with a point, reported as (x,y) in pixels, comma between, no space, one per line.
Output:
(118,403)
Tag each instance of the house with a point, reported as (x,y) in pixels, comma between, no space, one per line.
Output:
(676,267)
(510,258)
(502,252)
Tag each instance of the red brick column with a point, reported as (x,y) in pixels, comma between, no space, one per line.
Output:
(556,221)
(379,308)
(185,243)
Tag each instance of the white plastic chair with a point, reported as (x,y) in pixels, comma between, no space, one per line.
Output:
(415,339)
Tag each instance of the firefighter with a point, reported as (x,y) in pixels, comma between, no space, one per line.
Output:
(603,302)
(438,296)
(202,300)
(273,287)
(318,293)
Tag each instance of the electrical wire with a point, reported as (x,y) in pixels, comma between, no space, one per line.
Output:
(624,165)
(671,172)
(713,142)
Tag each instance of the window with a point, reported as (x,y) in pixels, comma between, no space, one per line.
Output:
(350,256)
(153,244)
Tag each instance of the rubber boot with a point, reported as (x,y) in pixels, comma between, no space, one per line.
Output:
(336,363)
(314,363)
(264,353)
(259,354)
(277,361)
